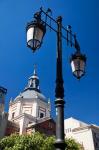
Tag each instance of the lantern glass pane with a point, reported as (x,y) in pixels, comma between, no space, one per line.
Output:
(82,65)
(72,66)
(38,34)
(80,73)
(75,65)
(30,33)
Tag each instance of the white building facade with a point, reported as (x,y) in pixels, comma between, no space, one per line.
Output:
(29,106)
(87,135)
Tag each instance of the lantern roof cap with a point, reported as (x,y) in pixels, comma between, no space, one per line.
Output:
(36,23)
(78,55)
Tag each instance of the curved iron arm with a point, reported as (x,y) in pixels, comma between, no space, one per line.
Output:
(70,37)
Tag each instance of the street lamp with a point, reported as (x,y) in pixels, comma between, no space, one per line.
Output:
(35,32)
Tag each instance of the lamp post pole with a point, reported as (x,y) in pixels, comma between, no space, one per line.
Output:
(59,91)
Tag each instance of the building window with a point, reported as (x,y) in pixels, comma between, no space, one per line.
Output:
(13,115)
(41,115)
(50,125)
(68,130)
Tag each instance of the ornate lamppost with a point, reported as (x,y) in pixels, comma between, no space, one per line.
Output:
(36,30)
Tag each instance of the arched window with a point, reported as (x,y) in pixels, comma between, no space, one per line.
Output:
(13,115)
(41,115)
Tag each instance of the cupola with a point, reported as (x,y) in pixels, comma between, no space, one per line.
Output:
(33,81)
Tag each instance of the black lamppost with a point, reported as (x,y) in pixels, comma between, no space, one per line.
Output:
(36,30)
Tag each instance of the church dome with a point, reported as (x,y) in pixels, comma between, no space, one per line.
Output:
(32,94)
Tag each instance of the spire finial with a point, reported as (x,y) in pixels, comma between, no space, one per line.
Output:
(35,69)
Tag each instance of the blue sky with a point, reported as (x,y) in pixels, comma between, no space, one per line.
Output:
(16,60)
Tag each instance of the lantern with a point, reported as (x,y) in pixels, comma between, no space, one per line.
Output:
(35,33)
(78,62)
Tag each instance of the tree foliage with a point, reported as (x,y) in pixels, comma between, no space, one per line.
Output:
(36,141)
(71,144)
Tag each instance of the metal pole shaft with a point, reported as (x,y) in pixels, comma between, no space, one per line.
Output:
(59,91)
